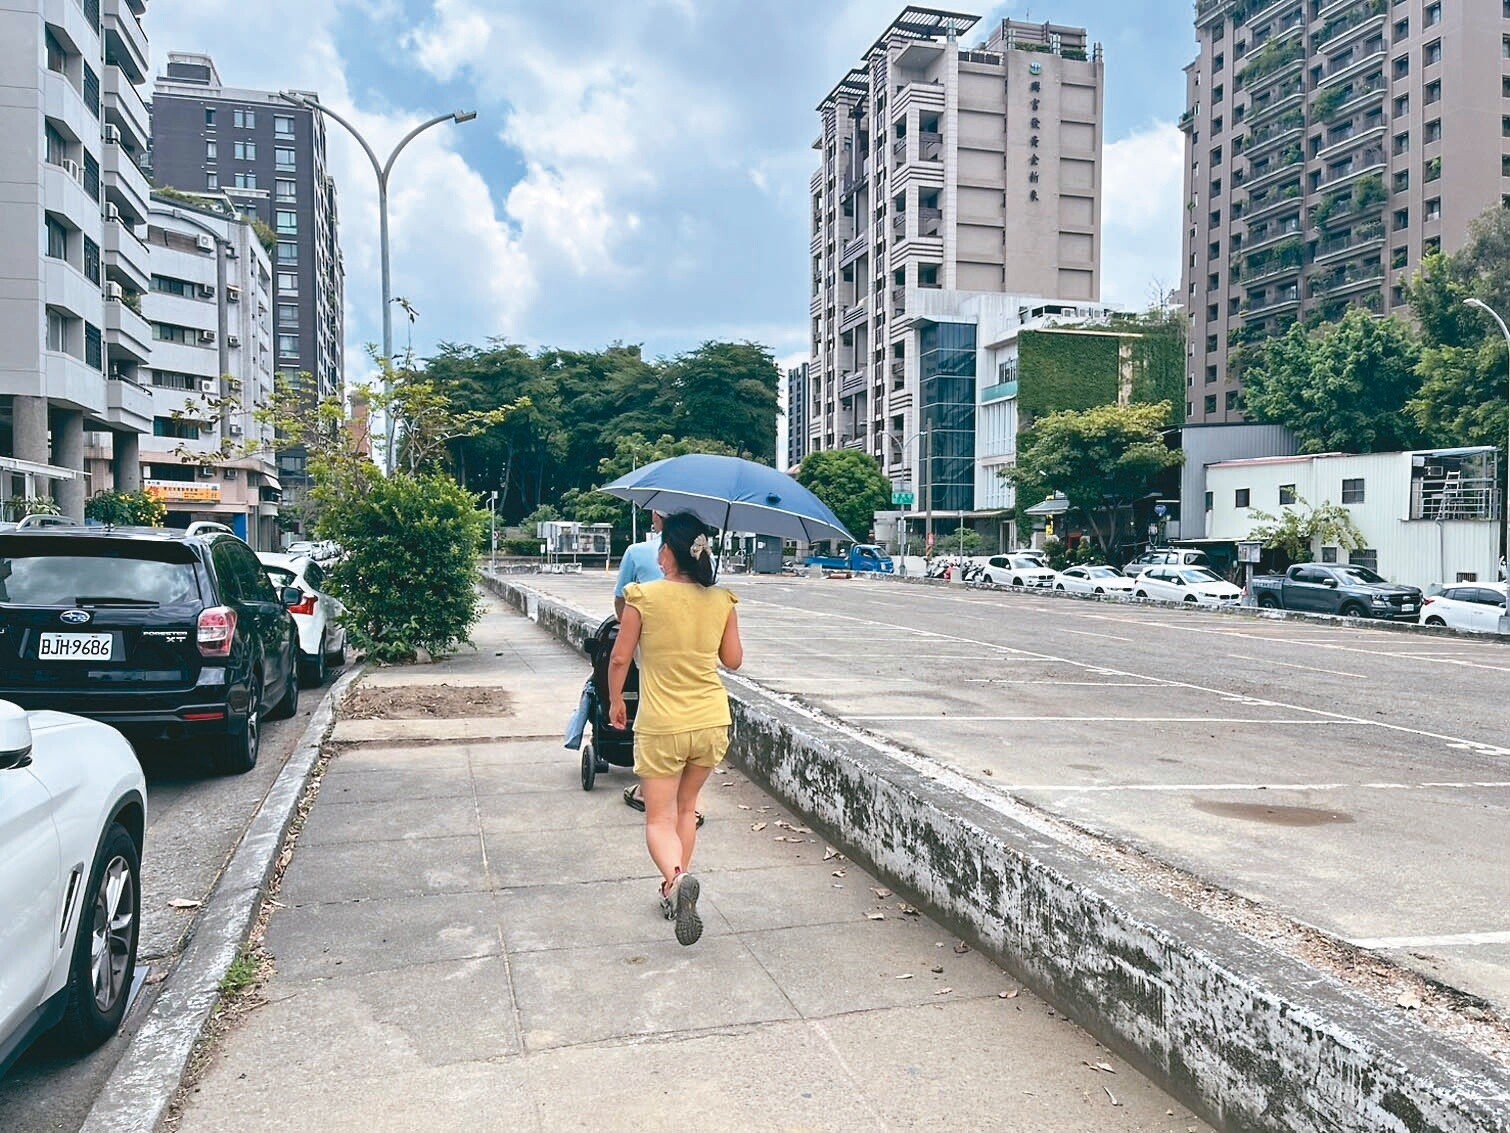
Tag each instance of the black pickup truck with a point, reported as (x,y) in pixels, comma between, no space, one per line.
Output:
(1327,588)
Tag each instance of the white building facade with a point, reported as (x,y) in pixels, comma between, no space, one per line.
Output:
(1429,517)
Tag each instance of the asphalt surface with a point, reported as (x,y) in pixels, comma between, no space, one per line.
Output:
(1351,778)
(195,819)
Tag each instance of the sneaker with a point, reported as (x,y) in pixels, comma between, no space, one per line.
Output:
(689,926)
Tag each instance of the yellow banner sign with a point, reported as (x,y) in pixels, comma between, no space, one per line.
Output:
(179,491)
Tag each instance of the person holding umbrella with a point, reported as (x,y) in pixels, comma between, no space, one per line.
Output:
(684,628)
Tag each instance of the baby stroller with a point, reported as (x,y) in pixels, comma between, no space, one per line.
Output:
(609,746)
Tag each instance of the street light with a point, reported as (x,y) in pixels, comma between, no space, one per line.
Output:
(924,453)
(1505,501)
(382,170)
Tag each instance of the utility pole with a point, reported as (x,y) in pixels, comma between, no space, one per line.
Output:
(1505,499)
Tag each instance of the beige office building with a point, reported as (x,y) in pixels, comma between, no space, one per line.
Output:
(1330,145)
(956,172)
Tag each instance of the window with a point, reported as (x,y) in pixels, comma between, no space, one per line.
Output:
(288,344)
(57,240)
(246,180)
(171,286)
(212,181)
(244,119)
(1367,557)
(57,330)
(246,151)
(283,126)
(288,253)
(1433,92)
(288,314)
(1234,401)
(1402,142)
(1352,491)
(94,347)
(287,190)
(1215,218)
(287,222)
(287,281)
(1240,497)
(1402,29)
(283,157)
(1210,344)
(169,379)
(1329,554)
(1432,52)
(171,332)
(1210,403)
(168,427)
(209,151)
(1434,209)
(1217,63)
(1402,67)
(209,116)
(1402,180)
(91,260)
(1286,494)
(1432,15)
(1402,106)
(1402,219)
(1433,131)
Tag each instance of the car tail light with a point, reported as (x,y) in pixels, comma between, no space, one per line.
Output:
(217,631)
(1427,601)
(307,606)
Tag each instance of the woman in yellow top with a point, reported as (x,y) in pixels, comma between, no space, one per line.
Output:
(684,628)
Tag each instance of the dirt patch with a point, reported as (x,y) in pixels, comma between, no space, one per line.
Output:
(426,702)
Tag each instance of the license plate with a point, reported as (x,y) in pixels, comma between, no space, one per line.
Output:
(76,647)
(1409,607)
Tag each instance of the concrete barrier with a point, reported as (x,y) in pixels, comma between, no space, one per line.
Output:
(1251,1038)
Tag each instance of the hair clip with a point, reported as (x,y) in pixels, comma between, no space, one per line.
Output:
(700,547)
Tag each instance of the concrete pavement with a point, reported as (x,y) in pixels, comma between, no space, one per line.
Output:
(466,940)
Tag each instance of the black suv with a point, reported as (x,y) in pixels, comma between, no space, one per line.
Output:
(161,634)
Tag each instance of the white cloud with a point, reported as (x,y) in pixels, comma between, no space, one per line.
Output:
(1141,210)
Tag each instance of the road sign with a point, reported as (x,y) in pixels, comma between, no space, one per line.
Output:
(902,499)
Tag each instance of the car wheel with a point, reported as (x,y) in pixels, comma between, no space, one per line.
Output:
(1017,582)
(1268,602)
(337,656)
(1059,586)
(288,704)
(1190,598)
(104,948)
(312,667)
(238,752)
(1141,594)
(1100,591)
(1353,610)
(1435,622)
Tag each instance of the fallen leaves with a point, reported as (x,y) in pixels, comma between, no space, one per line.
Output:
(882,894)
(1409,1000)
(758,827)
(1007,994)
(183,903)
(961,948)
(875,916)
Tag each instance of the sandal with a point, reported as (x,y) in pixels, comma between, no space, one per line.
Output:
(633,801)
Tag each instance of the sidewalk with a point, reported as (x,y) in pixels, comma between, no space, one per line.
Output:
(466,940)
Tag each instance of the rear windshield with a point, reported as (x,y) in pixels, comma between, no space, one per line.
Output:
(62,572)
(281,576)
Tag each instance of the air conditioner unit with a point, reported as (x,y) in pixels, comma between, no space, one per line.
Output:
(206,473)
(112,213)
(71,167)
(232,294)
(112,135)
(113,291)
(229,473)
(233,340)
(230,251)
(234,429)
(207,290)
(206,336)
(207,385)
(205,244)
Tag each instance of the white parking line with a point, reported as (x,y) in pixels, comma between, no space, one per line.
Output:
(1184,788)
(1119,720)
(1454,940)
(1083,684)
(1088,633)
(1287,665)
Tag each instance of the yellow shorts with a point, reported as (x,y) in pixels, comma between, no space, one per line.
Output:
(662,757)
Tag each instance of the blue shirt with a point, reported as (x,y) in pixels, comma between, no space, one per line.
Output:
(640,564)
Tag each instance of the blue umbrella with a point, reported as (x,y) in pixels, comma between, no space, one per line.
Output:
(732,495)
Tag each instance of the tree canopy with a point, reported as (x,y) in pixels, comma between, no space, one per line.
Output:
(1102,459)
(850,483)
(1340,387)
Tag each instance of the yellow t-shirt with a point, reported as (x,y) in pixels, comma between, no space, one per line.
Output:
(682,625)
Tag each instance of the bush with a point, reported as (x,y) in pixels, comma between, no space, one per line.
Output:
(520,546)
(126,509)
(410,576)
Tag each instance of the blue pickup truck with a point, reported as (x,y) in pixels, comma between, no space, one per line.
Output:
(861,558)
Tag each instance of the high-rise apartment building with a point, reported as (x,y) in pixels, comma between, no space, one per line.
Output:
(1330,144)
(267,155)
(73,267)
(796,415)
(945,174)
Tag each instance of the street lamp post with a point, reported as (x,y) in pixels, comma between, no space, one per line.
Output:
(927,494)
(382,169)
(1505,500)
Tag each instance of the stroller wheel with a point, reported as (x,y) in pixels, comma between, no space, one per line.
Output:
(589,766)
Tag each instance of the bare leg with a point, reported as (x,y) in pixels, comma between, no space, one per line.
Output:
(690,786)
(662,830)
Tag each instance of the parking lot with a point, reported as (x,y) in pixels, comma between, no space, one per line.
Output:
(1351,778)
(195,819)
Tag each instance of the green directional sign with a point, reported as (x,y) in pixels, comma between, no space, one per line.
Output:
(901,499)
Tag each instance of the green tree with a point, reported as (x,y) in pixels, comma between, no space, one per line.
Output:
(588,505)
(724,391)
(1298,530)
(126,509)
(1102,459)
(1342,387)
(1462,367)
(850,483)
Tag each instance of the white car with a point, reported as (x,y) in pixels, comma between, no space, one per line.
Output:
(1017,570)
(1468,605)
(73,809)
(1186,584)
(322,637)
(1093,580)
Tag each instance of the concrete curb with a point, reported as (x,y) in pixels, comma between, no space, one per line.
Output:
(140,1088)
(1251,1038)
(1254,612)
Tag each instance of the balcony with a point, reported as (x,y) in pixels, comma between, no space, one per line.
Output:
(1345,280)
(1270,306)
(853,249)
(852,317)
(125,109)
(1368,162)
(1351,20)
(1358,62)
(929,220)
(128,404)
(125,41)
(851,383)
(126,332)
(126,257)
(1271,234)
(63,190)
(930,145)
(1274,169)
(125,184)
(1292,97)
(1338,247)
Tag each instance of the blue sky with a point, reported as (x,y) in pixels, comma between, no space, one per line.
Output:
(638,171)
